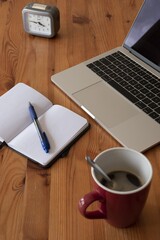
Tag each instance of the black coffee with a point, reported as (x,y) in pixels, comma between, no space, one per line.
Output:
(122,181)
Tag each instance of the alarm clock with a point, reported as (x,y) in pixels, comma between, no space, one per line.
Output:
(41,20)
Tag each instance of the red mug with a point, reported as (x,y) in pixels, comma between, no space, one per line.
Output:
(119,208)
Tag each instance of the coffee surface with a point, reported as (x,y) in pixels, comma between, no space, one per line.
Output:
(122,181)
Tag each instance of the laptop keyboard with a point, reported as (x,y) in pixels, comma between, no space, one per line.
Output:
(132,80)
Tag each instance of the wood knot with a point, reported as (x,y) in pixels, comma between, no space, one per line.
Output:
(80,19)
(109,16)
(47,177)
(9,84)
(18,184)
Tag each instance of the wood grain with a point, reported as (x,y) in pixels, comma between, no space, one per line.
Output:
(38,204)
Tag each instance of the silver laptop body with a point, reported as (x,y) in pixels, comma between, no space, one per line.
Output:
(123,119)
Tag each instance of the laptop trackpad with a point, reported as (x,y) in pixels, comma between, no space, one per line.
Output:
(105,104)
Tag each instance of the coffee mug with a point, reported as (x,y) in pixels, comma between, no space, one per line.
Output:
(121,208)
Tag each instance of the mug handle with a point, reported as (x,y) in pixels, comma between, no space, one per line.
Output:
(87,200)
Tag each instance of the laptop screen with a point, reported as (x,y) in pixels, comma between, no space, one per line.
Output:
(143,39)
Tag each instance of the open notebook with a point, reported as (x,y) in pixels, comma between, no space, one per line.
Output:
(61,125)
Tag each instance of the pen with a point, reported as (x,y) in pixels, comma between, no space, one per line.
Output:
(42,136)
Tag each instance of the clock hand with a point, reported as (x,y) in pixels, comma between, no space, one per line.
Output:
(39,23)
(34,22)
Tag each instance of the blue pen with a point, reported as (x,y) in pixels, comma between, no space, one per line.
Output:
(42,136)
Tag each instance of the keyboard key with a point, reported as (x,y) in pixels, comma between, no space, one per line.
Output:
(123,83)
(135,91)
(157,110)
(154,115)
(118,79)
(100,73)
(138,86)
(149,86)
(147,77)
(117,70)
(140,96)
(95,69)
(110,58)
(153,105)
(122,66)
(157,119)
(91,65)
(108,71)
(144,90)
(113,75)
(105,61)
(106,78)
(132,82)
(123,74)
(147,110)
(143,82)
(147,101)
(155,90)
(98,64)
(150,95)
(128,78)
(138,78)
(140,104)
(157,85)
(156,99)
(112,66)
(132,74)
(129,88)
(152,80)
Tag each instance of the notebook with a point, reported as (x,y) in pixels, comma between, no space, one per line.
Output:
(120,89)
(61,125)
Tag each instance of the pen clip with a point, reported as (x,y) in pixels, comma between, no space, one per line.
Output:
(45,143)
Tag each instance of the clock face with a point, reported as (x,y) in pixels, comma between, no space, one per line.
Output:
(39,24)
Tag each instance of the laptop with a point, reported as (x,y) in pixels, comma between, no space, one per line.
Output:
(120,89)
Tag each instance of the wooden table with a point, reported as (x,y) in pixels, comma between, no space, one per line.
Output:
(37,204)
